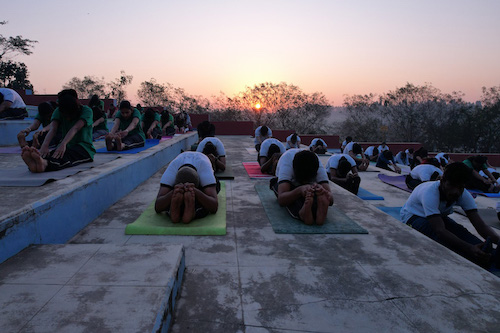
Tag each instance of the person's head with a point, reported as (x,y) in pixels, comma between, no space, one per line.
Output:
(187,174)
(138,106)
(126,109)
(68,103)
(273,149)
(387,154)
(149,115)
(403,155)
(209,149)
(45,110)
(356,148)
(94,101)
(383,143)
(203,129)
(411,151)
(432,161)
(293,138)
(305,166)
(264,130)
(97,113)
(422,152)
(348,139)
(319,143)
(453,181)
(375,151)
(343,168)
(478,161)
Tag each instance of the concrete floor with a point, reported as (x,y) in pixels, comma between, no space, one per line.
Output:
(252,280)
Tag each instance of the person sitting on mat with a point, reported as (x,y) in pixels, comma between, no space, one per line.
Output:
(151,124)
(75,121)
(167,123)
(318,146)
(418,157)
(383,147)
(269,155)
(12,106)
(261,133)
(386,161)
(100,124)
(342,170)
(214,149)
(127,131)
(371,153)
(354,150)
(430,170)
(345,142)
(302,186)
(188,188)
(402,158)
(443,159)
(429,205)
(292,141)
(43,117)
(477,182)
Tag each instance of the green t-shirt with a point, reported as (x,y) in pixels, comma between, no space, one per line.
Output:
(468,162)
(39,118)
(166,119)
(124,123)
(84,136)
(148,125)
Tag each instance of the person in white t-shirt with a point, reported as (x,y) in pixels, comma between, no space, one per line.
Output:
(429,171)
(383,147)
(261,133)
(372,153)
(354,150)
(342,170)
(429,205)
(318,146)
(188,188)
(269,155)
(402,158)
(302,186)
(443,159)
(292,141)
(214,149)
(345,142)
(12,106)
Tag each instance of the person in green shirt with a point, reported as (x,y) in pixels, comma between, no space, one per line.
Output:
(478,182)
(43,117)
(127,132)
(75,121)
(151,123)
(167,123)
(99,126)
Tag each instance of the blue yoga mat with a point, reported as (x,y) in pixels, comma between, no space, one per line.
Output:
(149,143)
(489,195)
(367,195)
(393,211)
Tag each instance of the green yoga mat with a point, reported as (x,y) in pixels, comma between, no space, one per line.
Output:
(151,223)
(281,221)
(226,174)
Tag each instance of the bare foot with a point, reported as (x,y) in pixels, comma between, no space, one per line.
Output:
(21,138)
(175,205)
(41,163)
(26,156)
(109,142)
(305,212)
(189,207)
(322,209)
(118,142)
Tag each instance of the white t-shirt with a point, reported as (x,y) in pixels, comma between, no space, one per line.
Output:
(369,151)
(425,201)
(201,163)
(423,172)
(216,142)
(258,138)
(348,148)
(399,159)
(264,148)
(289,143)
(314,142)
(333,162)
(382,148)
(284,170)
(12,96)
(440,157)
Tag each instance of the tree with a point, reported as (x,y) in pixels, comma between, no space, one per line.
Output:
(86,87)
(14,74)
(116,88)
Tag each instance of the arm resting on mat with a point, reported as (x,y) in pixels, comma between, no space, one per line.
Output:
(163,199)
(207,198)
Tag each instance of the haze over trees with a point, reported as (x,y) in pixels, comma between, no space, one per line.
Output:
(91,85)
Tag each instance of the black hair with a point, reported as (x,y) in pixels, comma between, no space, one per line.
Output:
(125,105)
(344,167)
(432,161)
(209,149)
(97,113)
(212,130)
(387,154)
(293,139)
(403,155)
(149,115)
(457,173)
(70,92)
(422,152)
(356,148)
(264,130)
(45,110)
(305,166)
(348,139)
(479,159)
(319,143)
(411,150)
(273,148)
(68,103)
(1,98)
(94,101)
(375,151)
(446,156)
(203,129)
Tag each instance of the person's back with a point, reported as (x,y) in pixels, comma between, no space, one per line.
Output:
(341,169)
(214,149)
(12,106)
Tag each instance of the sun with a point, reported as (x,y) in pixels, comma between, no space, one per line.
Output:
(257,106)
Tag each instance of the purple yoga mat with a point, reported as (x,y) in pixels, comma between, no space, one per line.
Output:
(397,181)
(10,150)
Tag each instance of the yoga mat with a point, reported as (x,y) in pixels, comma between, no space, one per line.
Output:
(251,151)
(367,195)
(22,177)
(165,138)
(151,223)
(10,150)
(397,181)
(489,195)
(281,221)
(392,211)
(489,216)
(226,174)
(253,170)
(149,143)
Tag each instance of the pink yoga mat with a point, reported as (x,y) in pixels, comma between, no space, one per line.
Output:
(253,170)
(164,138)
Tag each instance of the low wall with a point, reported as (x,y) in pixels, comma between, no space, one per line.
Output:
(198,118)
(395,147)
(332,141)
(10,128)
(281,134)
(233,127)
(493,159)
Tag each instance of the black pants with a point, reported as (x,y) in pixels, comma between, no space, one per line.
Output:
(133,141)
(412,182)
(351,184)
(74,155)
(13,114)
(476,184)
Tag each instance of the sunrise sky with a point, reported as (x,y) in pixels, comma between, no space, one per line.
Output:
(334,47)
